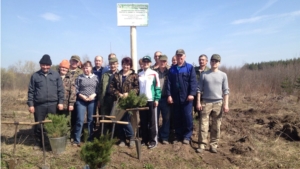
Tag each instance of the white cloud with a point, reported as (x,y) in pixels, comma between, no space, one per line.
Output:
(23,19)
(50,17)
(264,17)
(291,14)
(248,20)
(255,31)
(268,5)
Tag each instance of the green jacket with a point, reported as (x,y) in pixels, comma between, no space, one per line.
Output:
(198,73)
(104,85)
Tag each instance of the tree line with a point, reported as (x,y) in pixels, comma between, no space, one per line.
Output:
(277,77)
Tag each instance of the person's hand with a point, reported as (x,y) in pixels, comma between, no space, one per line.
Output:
(31,109)
(71,108)
(190,98)
(91,97)
(125,95)
(120,95)
(60,106)
(198,106)
(225,108)
(155,104)
(170,100)
(99,104)
(83,97)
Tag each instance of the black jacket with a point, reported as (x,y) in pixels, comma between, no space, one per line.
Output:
(45,89)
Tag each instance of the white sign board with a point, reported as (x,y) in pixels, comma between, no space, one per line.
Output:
(132,14)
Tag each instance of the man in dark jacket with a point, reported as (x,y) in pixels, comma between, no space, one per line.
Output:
(182,87)
(45,93)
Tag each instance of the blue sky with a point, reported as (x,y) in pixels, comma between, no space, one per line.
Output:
(241,32)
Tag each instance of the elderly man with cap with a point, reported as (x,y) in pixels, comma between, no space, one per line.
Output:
(214,86)
(150,86)
(69,88)
(45,95)
(163,106)
(182,87)
(105,97)
(73,73)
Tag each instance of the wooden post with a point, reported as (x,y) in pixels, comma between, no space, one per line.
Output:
(133,47)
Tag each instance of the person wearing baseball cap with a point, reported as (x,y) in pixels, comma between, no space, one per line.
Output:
(213,87)
(105,97)
(182,87)
(73,73)
(163,106)
(150,86)
(45,95)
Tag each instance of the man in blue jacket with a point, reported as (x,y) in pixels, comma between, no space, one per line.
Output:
(182,87)
(45,94)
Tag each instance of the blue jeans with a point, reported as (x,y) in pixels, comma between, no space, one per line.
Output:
(163,108)
(125,130)
(82,107)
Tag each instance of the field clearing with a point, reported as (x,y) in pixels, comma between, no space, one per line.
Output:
(260,131)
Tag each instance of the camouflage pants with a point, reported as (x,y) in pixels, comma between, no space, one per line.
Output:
(213,110)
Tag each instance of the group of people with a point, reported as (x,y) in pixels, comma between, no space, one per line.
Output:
(172,92)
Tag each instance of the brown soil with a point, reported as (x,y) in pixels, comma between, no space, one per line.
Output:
(250,135)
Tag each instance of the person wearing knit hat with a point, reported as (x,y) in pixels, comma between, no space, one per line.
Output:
(65,64)
(45,63)
(69,88)
(46,60)
(45,95)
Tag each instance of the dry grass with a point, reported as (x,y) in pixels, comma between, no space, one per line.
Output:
(251,133)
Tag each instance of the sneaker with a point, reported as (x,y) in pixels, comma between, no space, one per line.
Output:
(122,144)
(164,142)
(199,150)
(186,141)
(213,150)
(131,144)
(152,145)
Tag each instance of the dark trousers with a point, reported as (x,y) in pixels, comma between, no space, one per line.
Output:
(73,120)
(106,110)
(148,123)
(125,131)
(40,114)
(183,120)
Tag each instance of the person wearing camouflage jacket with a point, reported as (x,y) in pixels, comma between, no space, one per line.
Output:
(73,73)
(123,82)
(69,88)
